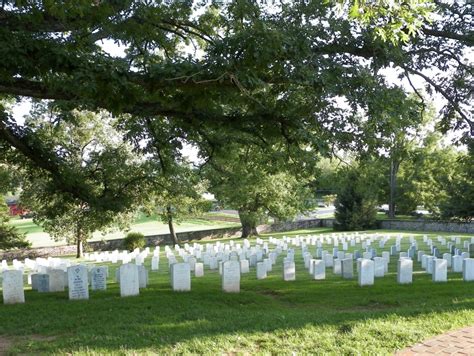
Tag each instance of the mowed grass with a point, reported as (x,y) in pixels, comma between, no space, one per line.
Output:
(147,225)
(333,316)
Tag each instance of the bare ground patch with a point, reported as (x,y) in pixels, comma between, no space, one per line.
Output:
(6,342)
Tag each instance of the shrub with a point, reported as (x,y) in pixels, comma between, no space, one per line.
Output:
(356,208)
(134,240)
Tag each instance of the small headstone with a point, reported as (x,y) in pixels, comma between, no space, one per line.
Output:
(405,271)
(447,257)
(347,265)
(42,283)
(12,287)
(244,266)
(34,281)
(457,263)
(155,263)
(268,264)
(231,276)
(429,264)
(328,260)
(129,281)
(336,268)
(468,270)
(181,277)
(289,271)
(440,270)
(142,277)
(261,270)
(366,274)
(98,278)
(56,280)
(199,269)
(379,267)
(319,269)
(78,282)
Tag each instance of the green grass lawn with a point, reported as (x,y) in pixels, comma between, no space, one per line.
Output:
(270,316)
(148,225)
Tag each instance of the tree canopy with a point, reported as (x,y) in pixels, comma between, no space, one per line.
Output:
(304,73)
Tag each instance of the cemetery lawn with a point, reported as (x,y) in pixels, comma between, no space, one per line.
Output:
(333,316)
(148,225)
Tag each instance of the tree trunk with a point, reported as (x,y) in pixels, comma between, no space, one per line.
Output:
(171,226)
(249,222)
(393,188)
(79,249)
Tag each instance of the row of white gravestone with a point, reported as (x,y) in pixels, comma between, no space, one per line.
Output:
(54,281)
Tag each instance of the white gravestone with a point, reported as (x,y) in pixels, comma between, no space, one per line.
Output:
(268,263)
(42,283)
(366,273)
(457,263)
(440,270)
(231,277)
(12,287)
(78,282)
(379,266)
(328,260)
(448,258)
(347,268)
(129,282)
(468,270)
(155,262)
(56,280)
(336,267)
(142,277)
(319,269)
(405,271)
(181,277)
(34,281)
(98,278)
(199,269)
(261,270)
(289,271)
(244,266)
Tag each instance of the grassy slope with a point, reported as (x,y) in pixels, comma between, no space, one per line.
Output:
(333,316)
(148,225)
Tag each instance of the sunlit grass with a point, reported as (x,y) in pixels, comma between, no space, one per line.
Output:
(333,316)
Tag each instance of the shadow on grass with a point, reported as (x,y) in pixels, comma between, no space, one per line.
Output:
(160,319)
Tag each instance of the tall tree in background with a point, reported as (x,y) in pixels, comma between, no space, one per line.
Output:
(88,148)
(459,203)
(260,183)
(356,202)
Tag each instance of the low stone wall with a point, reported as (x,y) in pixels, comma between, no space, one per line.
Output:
(296,225)
(165,239)
(117,244)
(427,225)
(38,252)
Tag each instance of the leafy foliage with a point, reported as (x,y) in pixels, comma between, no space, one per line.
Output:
(356,205)
(9,237)
(261,183)
(134,240)
(91,155)
(459,203)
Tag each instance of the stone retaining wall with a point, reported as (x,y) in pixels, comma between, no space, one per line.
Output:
(117,244)
(164,239)
(427,225)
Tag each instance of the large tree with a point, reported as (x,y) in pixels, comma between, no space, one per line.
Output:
(89,149)
(257,71)
(260,182)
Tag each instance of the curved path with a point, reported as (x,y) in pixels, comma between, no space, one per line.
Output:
(455,342)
